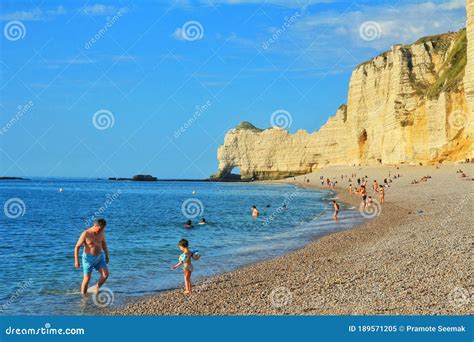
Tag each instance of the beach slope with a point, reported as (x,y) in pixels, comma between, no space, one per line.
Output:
(412,259)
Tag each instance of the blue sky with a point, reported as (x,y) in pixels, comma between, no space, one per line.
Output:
(170,94)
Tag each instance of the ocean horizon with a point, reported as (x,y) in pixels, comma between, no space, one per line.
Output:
(145,222)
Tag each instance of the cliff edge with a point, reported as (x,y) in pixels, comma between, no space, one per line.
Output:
(412,104)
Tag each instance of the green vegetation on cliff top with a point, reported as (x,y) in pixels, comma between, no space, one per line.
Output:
(452,73)
(245,125)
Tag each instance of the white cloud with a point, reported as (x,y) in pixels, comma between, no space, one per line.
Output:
(36,14)
(282,3)
(403,24)
(101,9)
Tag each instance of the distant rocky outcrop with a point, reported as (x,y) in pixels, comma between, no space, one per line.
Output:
(412,104)
(144,178)
(136,178)
(13,178)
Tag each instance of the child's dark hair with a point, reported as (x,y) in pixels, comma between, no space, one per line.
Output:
(183,243)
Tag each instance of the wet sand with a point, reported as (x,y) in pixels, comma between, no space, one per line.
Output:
(414,258)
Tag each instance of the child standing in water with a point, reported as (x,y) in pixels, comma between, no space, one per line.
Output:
(185,260)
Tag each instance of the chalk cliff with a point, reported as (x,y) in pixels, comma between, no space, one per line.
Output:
(412,104)
(469,72)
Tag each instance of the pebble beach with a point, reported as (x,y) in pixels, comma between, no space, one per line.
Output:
(413,258)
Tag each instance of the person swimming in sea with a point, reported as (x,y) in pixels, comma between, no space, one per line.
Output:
(255,211)
(202,222)
(185,261)
(188,224)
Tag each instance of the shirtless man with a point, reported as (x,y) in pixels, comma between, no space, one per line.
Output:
(255,211)
(94,243)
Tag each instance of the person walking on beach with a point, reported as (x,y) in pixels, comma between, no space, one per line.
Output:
(375,186)
(185,261)
(382,194)
(95,254)
(336,209)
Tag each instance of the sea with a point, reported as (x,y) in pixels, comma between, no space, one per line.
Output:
(42,220)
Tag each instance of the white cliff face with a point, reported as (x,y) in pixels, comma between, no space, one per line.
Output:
(407,105)
(469,74)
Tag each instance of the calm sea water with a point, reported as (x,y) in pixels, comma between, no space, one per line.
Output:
(40,226)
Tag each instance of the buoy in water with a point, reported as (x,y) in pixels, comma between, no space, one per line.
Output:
(61,189)
(194,192)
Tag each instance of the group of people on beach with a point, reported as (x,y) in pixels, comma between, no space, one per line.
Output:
(95,255)
(361,189)
(378,189)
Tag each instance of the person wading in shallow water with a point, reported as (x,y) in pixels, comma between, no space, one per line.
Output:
(95,254)
(255,211)
(336,209)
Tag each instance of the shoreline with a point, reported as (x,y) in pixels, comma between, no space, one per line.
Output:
(405,261)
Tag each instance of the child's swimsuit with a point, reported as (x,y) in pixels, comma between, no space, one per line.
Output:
(186,260)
